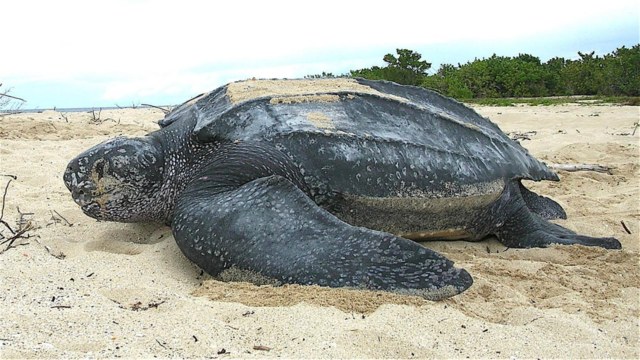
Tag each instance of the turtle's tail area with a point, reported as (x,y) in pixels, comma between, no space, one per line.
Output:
(271,228)
(542,206)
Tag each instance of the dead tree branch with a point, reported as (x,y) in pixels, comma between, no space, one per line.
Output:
(6,101)
(4,196)
(95,119)
(24,226)
(624,226)
(13,97)
(18,235)
(166,111)
(59,218)
(515,135)
(570,167)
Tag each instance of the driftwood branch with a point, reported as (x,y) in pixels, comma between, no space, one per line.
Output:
(515,135)
(624,226)
(571,167)
(24,226)
(166,111)
(13,97)
(59,218)
(4,195)
(95,119)
(20,234)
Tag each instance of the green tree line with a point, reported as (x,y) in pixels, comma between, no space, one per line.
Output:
(614,74)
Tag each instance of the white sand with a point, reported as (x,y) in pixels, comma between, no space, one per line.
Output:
(125,290)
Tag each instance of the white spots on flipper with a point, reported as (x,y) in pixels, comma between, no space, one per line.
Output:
(277,221)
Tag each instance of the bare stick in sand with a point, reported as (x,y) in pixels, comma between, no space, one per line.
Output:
(22,220)
(261,348)
(59,256)
(23,227)
(19,235)
(596,168)
(166,111)
(625,227)
(6,188)
(521,135)
(59,218)
(95,119)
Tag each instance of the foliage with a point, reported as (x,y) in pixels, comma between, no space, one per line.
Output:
(586,100)
(407,69)
(616,74)
(324,75)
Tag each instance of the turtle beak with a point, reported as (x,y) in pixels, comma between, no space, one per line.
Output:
(81,192)
(76,181)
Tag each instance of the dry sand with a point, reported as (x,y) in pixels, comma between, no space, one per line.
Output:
(125,290)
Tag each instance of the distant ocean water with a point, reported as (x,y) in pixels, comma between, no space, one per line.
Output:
(84,109)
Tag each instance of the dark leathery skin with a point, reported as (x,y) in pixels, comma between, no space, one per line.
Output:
(281,188)
(379,146)
(287,238)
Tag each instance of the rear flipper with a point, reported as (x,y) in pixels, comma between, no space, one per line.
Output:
(543,206)
(525,229)
(271,228)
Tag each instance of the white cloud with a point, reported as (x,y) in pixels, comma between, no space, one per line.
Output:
(65,37)
(171,82)
(163,46)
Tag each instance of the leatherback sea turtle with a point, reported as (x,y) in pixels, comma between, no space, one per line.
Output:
(322,181)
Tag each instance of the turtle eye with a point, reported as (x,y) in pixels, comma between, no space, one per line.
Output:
(99,169)
(146,159)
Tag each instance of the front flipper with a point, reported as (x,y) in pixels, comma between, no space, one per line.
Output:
(270,227)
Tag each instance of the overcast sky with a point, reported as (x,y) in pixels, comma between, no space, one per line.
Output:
(99,53)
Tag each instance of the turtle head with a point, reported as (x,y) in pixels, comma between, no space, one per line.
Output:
(118,179)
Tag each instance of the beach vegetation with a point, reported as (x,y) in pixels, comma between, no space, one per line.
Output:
(611,78)
(614,74)
(548,101)
(407,68)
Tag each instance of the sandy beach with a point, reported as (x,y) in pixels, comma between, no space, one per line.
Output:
(77,288)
